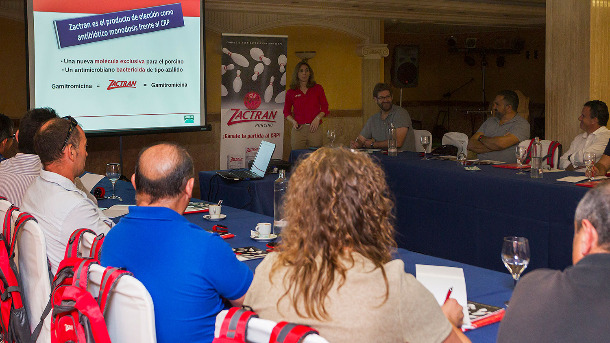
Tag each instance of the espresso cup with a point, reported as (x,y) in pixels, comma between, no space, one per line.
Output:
(263,229)
(214,211)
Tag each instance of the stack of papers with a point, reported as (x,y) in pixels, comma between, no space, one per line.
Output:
(438,280)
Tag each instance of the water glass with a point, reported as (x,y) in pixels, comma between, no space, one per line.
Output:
(515,255)
(520,153)
(589,159)
(425,142)
(113,173)
(331,135)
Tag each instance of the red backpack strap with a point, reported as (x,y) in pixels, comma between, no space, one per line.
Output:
(556,152)
(235,324)
(285,332)
(528,156)
(23,218)
(81,273)
(109,280)
(10,290)
(7,223)
(96,246)
(75,241)
(550,154)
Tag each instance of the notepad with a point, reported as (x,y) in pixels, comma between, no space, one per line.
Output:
(438,280)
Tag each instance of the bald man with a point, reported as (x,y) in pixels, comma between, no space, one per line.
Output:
(187,271)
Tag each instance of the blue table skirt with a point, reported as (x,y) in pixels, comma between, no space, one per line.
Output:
(446,211)
(252,195)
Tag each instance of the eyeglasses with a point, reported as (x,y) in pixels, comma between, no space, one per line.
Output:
(73,124)
(381,98)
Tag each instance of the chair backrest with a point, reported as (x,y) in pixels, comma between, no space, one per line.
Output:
(35,278)
(31,258)
(259,330)
(552,151)
(524,105)
(130,316)
(418,146)
(457,139)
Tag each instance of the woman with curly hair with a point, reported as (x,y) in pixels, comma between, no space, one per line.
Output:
(304,108)
(333,269)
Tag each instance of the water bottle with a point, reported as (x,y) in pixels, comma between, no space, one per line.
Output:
(279,190)
(536,163)
(392,151)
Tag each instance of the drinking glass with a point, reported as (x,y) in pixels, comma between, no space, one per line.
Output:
(515,255)
(332,135)
(113,172)
(520,152)
(425,142)
(589,158)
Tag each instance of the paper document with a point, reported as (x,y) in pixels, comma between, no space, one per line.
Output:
(89,180)
(554,170)
(116,211)
(575,179)
(438,280)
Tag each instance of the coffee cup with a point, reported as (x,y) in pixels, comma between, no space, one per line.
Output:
(214,211)
(263,229)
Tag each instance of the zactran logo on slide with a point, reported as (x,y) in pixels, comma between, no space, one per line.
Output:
(121,84)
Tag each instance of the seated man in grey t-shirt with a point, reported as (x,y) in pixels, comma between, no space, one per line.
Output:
(497,137)
(375,134)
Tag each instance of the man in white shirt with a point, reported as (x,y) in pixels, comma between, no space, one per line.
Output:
(53,198)
(593,120)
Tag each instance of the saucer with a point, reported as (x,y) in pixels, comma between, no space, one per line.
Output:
(207,217)
(255,237)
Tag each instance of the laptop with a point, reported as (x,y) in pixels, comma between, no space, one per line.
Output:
(259,167)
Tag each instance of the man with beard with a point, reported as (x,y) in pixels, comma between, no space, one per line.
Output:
(375,134)
(497,137)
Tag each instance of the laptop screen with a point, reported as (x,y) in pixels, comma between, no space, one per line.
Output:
(263,156)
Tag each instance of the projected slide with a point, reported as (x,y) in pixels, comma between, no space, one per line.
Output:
(119,65)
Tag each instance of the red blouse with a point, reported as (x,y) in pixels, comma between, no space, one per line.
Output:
(306,106)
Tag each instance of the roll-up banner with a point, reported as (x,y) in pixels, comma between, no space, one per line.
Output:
(253,89)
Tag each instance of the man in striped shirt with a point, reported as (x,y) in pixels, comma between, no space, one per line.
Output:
(18,172)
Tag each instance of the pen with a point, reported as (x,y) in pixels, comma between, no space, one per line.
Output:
(448,294)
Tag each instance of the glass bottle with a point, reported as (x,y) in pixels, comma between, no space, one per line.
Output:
(536,163)
(279,191)
(392,151)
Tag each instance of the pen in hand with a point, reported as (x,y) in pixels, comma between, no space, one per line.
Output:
(448,294)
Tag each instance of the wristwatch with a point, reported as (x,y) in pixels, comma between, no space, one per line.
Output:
(479,139)
(372,142)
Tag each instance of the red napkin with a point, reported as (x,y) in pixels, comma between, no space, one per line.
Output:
(511,166)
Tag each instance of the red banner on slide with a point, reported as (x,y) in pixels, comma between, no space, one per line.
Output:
(190,8)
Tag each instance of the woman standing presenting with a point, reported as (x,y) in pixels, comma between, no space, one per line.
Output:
(304,108)
(334,269)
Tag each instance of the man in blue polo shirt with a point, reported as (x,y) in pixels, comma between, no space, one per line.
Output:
(187,271)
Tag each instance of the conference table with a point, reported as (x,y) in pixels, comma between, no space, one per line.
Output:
(483,285)
(443,210)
